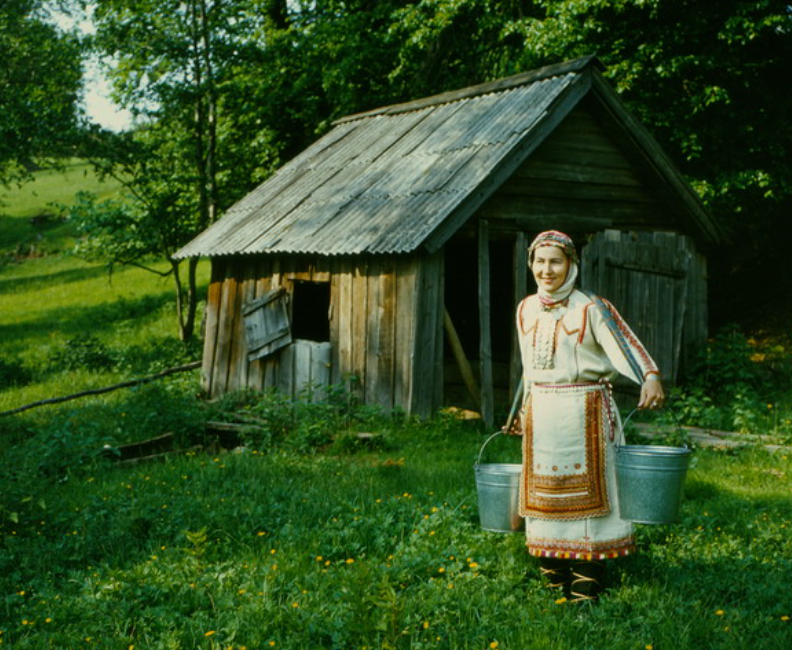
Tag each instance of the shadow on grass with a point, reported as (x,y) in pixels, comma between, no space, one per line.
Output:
(35,282)
(76,319)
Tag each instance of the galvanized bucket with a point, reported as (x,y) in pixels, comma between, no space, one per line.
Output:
(650,480)
(498,487)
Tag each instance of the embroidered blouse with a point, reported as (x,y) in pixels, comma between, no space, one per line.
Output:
(572,343)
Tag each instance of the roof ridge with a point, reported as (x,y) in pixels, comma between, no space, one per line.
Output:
(506,83)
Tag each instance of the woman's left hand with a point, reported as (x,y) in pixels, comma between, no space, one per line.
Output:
(652,395)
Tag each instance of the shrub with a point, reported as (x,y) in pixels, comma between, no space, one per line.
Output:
(83,352)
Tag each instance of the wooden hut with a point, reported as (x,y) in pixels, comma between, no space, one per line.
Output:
(391,253)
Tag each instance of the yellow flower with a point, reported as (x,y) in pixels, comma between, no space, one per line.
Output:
(426,625)
(296,605)
(272,644)
(785,618)
(48,620)
(560,601)
(350,560)
(441,570)
(720,612)
(649,647)
(319,558)
(209,633)
(494,645)
(473,565)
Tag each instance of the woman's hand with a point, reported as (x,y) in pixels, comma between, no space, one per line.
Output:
(652,395)
(516,426)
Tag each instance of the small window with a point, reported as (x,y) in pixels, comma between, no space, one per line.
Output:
(311,311)
(266,324)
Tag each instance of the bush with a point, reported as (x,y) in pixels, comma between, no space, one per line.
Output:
(84,352)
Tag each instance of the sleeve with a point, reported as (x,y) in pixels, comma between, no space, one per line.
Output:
(621,345)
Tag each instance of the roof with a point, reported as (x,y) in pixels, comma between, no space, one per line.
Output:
(403,177)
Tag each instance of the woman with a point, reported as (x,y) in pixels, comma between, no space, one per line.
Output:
(572,344)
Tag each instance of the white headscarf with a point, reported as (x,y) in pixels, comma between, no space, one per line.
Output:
(565,243)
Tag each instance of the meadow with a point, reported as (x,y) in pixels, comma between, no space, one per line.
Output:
(309,536)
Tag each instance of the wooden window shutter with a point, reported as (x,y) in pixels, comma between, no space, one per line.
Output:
(267,324)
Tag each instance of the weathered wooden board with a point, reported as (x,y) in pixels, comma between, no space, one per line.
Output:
(647,276)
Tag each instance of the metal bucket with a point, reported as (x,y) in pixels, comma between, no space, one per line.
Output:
(498,487)
(650,482)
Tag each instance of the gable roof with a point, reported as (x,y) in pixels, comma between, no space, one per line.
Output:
(407,176)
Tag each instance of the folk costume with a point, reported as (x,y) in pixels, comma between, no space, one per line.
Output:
(572,345)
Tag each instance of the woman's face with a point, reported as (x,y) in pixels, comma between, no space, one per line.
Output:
(550,267)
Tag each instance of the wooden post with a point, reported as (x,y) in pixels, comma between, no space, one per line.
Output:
(461,359)
(520,289)
(485,326)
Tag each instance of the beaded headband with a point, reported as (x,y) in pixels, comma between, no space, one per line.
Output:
(553,238)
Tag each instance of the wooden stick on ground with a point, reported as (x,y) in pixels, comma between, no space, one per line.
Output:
(106,389)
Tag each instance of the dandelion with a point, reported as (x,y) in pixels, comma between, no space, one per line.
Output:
(494,645)
(560,601)
(319,558)
(273,551)
(261,533)
(720,612)
(649,647)
(350,560)
(210,633)
(272,644)
(450,585)
(441,570)
(426,625)
(473,565)
(785,618)
(48,620)
(296,605)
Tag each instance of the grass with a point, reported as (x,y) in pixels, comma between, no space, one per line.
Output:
(377,549)
(51,299)
(28,213)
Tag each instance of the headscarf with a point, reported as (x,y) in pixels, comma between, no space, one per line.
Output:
(565,243)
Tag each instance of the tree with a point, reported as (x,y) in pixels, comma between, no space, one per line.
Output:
(40,84)
(170,62)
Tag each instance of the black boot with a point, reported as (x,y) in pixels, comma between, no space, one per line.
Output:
(556,571)
(587,581)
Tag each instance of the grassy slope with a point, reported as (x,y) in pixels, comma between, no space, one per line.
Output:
(52,297)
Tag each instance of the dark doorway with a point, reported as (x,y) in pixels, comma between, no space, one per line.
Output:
(311,311)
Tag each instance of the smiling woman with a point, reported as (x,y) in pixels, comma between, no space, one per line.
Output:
(572,344)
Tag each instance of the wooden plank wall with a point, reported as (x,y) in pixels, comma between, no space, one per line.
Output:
(577,180)
(385,327)
(655,281)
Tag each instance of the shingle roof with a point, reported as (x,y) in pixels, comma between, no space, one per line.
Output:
(385,181)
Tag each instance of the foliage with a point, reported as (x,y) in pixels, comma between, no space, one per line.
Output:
(83,352)
(40,82)
(733,385)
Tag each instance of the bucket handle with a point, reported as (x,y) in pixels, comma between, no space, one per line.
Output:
(509,421)
(635,410)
